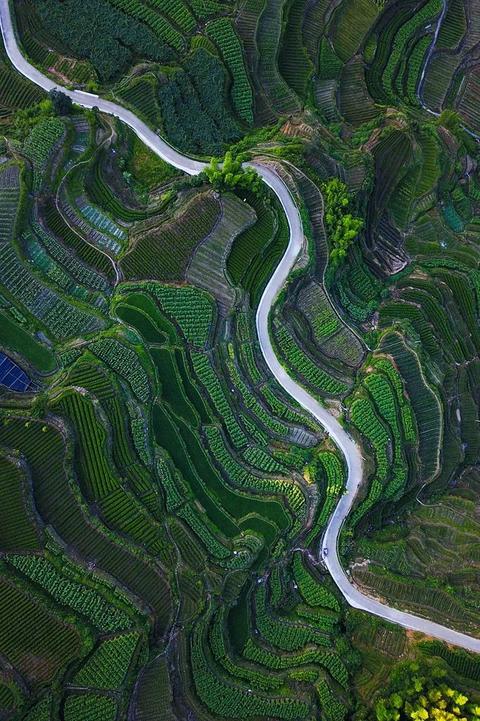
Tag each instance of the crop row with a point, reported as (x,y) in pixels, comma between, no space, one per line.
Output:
(125,362)
(63,319)
(163,252)
(206,374)
(89,707)
(40,144)
(79,271)
(60,505)
(160,25)
(79,597)
(191,308)
(224,36)
(107,667)
(231,700)
(285,635)
(300,363)
(18,528)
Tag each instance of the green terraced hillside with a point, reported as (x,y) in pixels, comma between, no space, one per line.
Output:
(163,496)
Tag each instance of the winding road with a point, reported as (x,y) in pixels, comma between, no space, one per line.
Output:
(350,449)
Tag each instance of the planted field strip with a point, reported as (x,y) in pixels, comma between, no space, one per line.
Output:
(294,62)
(91,449)
(122,510)
(350,24)
(438,78)
(463,663)
(195,468)
(256,252)
(314,27)
(425,404)
(178,12)
(80,272)
(140,93)
(250,401)
(83,250)
(153,698)
(397,50)
(99,220)
(226,39)
(191,459)
(418,595)
(354,101)
(100,193)
(89,707)
(60,507)
(281,633)
(15,91)
(387,405)
(301,364)
(99,239)
(329,333)
(206,268)
(32,638)
(162,28)
(163,252)
(453,27)
(311,590)
(308,657)
(82,135)
(269,30)
(18,528)
(56,276)
(63,319)
(206,534)
(234,700)
(9,199)
(232,668)
(246,21)
(125,362)
(40,144)
(468,105)
(248,242)
(208,377)
(280,408)
(366,420)
(77,595)
(108,666)
(328,472)
(241,476)
(192,309)
(325,97)
(415,63)
(313,200)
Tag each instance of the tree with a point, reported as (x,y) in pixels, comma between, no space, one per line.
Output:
(231,174)
(62,104)
(342,227)
(420,693)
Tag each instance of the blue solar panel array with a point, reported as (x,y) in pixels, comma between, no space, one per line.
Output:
(12,376)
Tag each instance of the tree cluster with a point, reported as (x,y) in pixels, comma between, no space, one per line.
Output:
(97,31)
(342,227)
(193,110)
(230,175)
(421,694)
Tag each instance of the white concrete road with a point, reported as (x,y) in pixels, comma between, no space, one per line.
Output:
(343,440)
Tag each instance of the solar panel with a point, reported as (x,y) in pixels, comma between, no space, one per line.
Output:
(12,376)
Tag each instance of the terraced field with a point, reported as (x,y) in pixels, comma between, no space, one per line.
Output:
(165,501)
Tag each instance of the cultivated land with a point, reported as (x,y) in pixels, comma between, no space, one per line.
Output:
(200,445)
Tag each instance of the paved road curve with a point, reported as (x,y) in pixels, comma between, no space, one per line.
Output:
(349,448)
